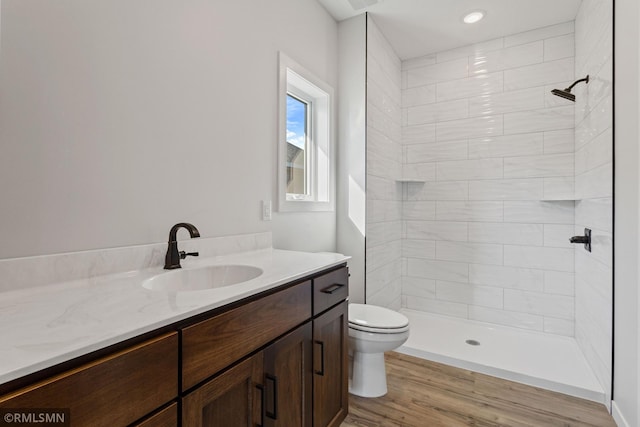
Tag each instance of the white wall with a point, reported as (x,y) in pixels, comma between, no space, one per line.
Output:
(119,119)
(486,236)
(626,393)
(384,168)
(351,206)
(594,186)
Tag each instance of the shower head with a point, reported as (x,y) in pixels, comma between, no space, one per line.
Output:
(566,93)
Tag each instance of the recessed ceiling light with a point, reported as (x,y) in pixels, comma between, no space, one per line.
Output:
(473,17)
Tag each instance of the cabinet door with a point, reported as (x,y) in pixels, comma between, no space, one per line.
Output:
(168,417)
(288,380)
(114,390)
(233,399)
(330,381)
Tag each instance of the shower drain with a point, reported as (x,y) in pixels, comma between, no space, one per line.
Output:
(472,342)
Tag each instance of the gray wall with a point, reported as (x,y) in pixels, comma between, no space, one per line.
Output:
(351,204)
(626,393)
(119,119)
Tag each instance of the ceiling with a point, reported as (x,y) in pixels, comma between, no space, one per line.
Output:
(420,27)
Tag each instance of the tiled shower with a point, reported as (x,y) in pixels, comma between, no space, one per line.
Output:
(477,176)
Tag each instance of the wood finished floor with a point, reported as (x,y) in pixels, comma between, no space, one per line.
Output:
(428,394)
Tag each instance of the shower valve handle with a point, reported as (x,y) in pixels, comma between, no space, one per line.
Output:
(585,240)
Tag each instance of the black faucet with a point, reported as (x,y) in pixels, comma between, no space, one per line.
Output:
(173,257)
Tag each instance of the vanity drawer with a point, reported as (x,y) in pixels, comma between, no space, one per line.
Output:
(212,345)
(114,390)
(330,289)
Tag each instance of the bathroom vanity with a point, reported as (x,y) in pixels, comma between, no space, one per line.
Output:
(277,357)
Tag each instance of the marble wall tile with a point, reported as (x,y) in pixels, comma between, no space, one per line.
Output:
(506,189)
(559,47)
(507,102)
(559,141)
(502,147)
(438,112)
(474,253)
(445,308)
(539,166)
(381,233)
(540,34)
(528,144)
(381,255)
(419,211)
(436,230)
(486,296)
(557,236)
(506,233)
(472,50)
(539,258)
(383,276)
(441,190)
(559,188)
(476,85)
(435,73)
(596,153)
(539,120)
(555,326)
(438,270)
(421,171)
(469,211)
(557,306)
(469,169)
(419,95)
(561,212)
(474,127)
(415,248)
(385,210)
(418,134)
(509,57)
(595,213)
(419,62)
(539,74)
(556,282)
(418,287)
(436,151)
(525,279)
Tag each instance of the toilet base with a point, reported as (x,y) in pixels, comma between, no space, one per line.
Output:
(369,378)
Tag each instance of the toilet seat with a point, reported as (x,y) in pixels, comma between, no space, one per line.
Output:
(374,319)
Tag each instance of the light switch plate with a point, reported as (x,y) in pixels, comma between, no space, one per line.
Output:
(266,210)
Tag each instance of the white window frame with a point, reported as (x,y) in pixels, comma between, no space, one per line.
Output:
(319,168)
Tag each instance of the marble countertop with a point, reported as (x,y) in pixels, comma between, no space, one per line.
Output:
(43,326)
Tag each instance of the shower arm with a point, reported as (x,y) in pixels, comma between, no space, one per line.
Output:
(586,79)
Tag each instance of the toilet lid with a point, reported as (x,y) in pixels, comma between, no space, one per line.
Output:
(364,316)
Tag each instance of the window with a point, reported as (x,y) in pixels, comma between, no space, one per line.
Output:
(305,167)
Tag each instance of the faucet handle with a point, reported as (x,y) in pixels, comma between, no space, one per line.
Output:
(184,254)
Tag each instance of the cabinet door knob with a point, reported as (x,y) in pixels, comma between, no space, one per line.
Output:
(331,289)
(321,371)
(274,380)
(260,387)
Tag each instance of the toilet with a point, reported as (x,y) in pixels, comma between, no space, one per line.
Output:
(372,331)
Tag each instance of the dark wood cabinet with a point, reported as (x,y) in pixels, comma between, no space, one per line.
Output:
(288,380)
(330,386)
(232,399)
(278,359)
(167,417)
(114,390)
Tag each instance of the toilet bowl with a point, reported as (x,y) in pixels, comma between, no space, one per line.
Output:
(372,331)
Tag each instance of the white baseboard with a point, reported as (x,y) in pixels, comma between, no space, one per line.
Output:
(617,416)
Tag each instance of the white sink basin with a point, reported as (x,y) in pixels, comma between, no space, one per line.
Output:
(199,279)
